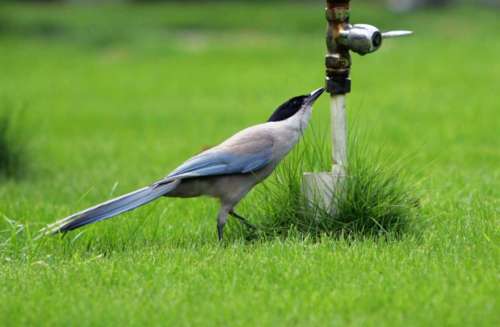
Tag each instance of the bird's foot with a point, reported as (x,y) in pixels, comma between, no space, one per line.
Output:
(242,220)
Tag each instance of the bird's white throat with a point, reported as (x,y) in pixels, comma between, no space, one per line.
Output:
(300,120)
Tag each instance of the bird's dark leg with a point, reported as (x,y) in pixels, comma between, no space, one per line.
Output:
(221,221)
(220,231)
(242,219)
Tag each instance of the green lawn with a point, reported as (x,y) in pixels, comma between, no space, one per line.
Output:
(115,97)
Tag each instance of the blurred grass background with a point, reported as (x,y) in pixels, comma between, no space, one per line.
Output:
(119,94)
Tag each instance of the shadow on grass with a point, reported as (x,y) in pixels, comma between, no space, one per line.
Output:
(39,28)
(13,142)
(50,31)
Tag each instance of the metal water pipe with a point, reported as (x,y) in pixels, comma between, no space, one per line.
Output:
(342,38)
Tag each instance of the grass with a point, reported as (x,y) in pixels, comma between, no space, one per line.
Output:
(377,197)
(122,95)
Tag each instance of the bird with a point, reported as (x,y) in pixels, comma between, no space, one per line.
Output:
(226,172)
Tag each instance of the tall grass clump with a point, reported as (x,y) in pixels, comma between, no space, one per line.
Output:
(377,197)
(13,143)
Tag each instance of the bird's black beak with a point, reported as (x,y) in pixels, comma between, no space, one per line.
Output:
(314,95)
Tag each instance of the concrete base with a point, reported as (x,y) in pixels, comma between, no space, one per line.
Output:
(319,188)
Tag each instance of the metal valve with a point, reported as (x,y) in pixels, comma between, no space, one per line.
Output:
(364,38)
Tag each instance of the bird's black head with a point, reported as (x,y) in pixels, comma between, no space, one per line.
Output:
(290,107)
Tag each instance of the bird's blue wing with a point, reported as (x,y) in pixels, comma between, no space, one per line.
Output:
(240,158)
(221,163)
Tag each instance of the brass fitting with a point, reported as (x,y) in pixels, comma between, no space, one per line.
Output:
(338,58)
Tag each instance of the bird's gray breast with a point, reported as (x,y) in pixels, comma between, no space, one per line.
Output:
(227,188)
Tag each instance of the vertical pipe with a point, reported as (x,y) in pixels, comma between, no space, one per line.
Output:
(339,133)
(338,84)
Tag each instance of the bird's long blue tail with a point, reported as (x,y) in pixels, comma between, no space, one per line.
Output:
(111,208)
